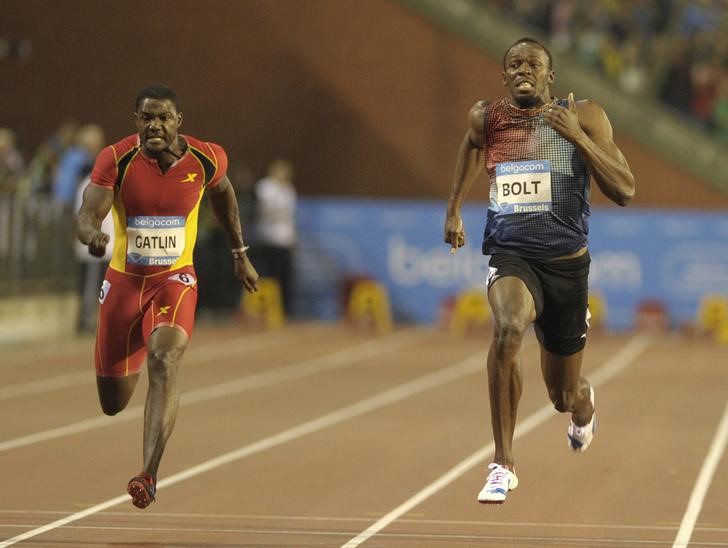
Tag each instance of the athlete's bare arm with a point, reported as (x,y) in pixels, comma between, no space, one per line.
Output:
(467,168)
(97,202)
(586,125)
(225,207)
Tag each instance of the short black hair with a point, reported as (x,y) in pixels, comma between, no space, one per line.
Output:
(157,91)
(529,40)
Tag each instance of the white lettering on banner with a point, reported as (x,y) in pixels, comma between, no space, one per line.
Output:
(156,241)
(523,187)
(696,268)
(616,270)
(409,265)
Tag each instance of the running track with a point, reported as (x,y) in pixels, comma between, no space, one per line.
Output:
(316,435)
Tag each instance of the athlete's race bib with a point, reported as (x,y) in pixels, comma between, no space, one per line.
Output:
(184,278)
(154,240)
(523,187)
(105,287)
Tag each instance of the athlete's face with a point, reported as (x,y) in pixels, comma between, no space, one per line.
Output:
(157,122)
(527,75)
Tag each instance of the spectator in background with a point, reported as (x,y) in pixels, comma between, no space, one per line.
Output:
(42,168)
(677,91)
(219,291)
(720,111)
(76,163)
(275,227)
(12,166)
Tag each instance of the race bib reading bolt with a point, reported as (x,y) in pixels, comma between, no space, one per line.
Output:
(523,187)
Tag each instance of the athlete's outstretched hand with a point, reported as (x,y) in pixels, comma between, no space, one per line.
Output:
(565,120)
(245,272)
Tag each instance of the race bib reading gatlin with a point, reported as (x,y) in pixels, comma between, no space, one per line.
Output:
(523,187)
(155,240)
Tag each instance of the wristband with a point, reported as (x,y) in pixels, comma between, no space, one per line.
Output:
(240,250)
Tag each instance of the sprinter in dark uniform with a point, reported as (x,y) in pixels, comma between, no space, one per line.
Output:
(153,182)
(540,154)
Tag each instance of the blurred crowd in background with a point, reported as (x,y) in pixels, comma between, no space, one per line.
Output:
(672,50)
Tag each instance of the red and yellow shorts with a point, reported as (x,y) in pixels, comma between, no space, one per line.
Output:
(131,307)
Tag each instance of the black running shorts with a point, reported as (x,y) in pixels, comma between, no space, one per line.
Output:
(560,292)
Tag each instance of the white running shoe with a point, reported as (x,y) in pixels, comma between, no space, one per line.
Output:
(580,437)
(500,481)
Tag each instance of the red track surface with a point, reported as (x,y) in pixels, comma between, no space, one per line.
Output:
(316,435)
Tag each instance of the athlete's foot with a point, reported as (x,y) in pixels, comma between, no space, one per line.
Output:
(142,489)
(579,437)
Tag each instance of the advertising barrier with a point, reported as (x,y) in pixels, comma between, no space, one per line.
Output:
(637,255)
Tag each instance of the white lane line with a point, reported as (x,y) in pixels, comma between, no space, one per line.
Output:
(300,534)
(187,516)
(634,347)
(194,356)
(32,352)
(695,504)
(464,368)
(297,370)
(49,384)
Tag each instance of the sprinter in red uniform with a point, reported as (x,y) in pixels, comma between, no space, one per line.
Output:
(153,183)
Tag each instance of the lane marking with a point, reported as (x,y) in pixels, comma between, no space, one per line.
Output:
(195,355)
(351,519)
(49,384)
(303,533)
(344,519)
(627,354)
(702,484)
(66,349)
(297,370)
(468,366)
(32,352)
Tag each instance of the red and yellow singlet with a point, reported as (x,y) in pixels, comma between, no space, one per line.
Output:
(151,280)
(155,213)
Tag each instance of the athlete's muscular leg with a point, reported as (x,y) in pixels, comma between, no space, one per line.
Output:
(164,353)
(513,310)
(115,392)
(568,391)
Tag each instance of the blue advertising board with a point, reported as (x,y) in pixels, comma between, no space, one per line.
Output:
(637,254)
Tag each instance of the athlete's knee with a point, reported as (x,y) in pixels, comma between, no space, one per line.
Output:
(508,335)
(563,400)
(163,362)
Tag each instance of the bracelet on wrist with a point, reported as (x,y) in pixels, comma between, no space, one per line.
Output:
(240,250)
